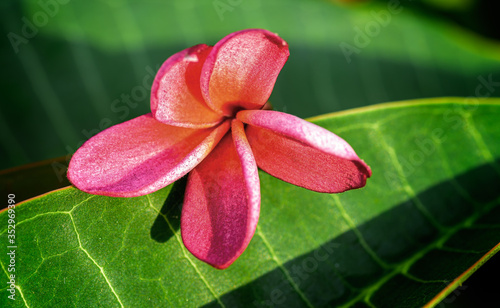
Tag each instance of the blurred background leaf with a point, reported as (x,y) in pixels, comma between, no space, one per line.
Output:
(30,180)
(82,66)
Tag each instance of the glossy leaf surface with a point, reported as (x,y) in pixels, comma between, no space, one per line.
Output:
(428,217)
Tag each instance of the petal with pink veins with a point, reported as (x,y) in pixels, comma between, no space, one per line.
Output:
(140,156)
(222,202)
(176,97)
(240,71)
(303,153)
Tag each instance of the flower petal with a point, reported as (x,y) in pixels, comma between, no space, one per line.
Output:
(140,156)
(222,202)
(241,70)
(176,95)
(302,153)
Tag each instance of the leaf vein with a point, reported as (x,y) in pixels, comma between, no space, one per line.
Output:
(283,269)
(186,256)
(48,258)
(101,269)
(36,216)
(415,278)
(449,173)
(406,186)
(483,148)
(404,266)
(22,296)
(122,244)
(358,233)
(80,203)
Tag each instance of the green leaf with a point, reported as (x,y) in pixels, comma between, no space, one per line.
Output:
(426,220)
(72,79)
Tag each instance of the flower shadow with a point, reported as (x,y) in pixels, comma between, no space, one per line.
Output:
(170,213)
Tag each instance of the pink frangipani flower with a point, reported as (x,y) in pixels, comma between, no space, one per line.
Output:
(208,119)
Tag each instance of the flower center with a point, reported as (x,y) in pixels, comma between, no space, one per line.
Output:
(231,111)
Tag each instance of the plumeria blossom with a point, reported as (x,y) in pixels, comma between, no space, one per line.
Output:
(208,119)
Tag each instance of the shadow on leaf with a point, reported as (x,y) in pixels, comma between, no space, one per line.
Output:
(171,209)
(339,270)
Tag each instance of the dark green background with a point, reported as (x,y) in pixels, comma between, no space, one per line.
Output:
(61,86)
